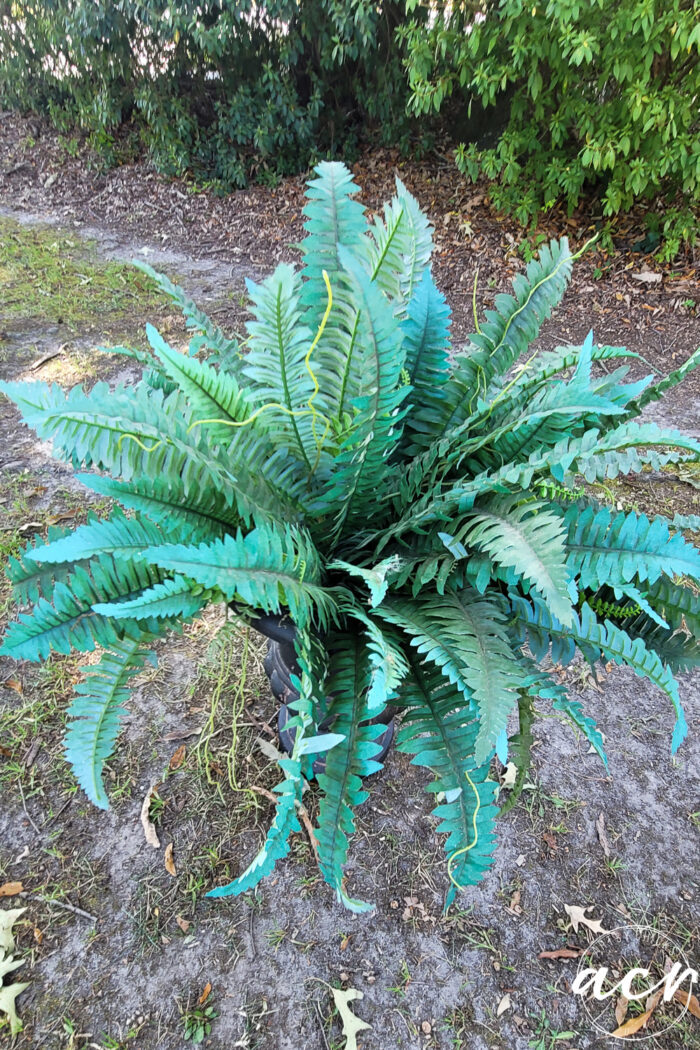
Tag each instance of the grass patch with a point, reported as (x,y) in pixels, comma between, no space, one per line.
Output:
(50,275)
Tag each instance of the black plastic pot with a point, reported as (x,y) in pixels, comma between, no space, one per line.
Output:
(280,664)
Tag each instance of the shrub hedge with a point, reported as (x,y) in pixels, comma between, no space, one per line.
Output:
(603,95)
(225,89)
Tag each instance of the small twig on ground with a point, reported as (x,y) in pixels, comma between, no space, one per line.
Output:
(260,724)
(301,810)
(26,811)
(265,792)
(321,1024)
(59,904)
(251,934)
(65,806)
(306,821)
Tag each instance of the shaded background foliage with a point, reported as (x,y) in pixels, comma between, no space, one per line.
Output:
(225,90)
(597,96)
(551,100)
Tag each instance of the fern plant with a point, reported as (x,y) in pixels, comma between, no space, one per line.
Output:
(421,515)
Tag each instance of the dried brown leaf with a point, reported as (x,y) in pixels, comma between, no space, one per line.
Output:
(633,1025)
(578,918)
(621,1009)
(149,828)
(10,889)
(205,994)
(505,1004)
(562,953)
(689,1000)
(178,757)
(169,860)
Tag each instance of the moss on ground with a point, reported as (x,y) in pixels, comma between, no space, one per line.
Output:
(48,275)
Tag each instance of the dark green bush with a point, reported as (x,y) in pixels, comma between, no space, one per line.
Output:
(224,90)
(603,95)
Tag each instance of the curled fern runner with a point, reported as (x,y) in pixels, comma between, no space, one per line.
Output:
(424,518)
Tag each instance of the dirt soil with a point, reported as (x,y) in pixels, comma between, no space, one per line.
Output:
(118,941)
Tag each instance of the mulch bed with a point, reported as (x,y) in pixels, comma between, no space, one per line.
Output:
(625,296)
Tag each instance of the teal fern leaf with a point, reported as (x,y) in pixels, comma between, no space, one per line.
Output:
(68,621)
(615,550)
(347,763)
(440,731)
(118,535)
(264,569)
(95,714)
(530,540)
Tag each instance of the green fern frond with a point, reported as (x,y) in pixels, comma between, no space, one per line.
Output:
(275,365)
(212,396)
(265,569)
(95,714)
(686,521)
(527,538)
(614,551)
(69,621)
(361,465)
(165,501)
(550,363)
(171,598)
(677,650)
(347,763)
(573,710)
(593,637)
(118,535)
(440,731)
(375,577)
(387,662)
(656,392)
(506,333)
(426,334)
(680,606)
(136,433)
(220,349)
(402,246)
(30,580)
(465,636)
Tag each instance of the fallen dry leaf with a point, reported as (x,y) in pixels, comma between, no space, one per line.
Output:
(562,953)
(632,1026)
(621,1009)
(149,828)
(647,277)
(510,775)
(514,907)
(7,921)
(505,1004)
(184,924)
(13,683)
(602,837)
(205,994)
(578,918)
(38,935)
(10,889)
(169,860)
(178,757)
(351,1023)
(689,1000)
